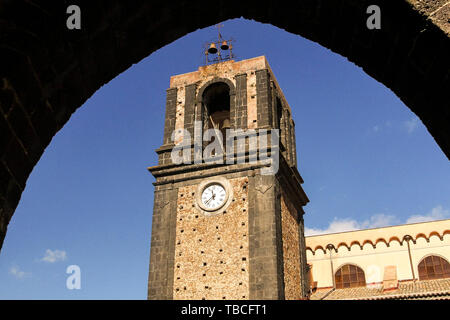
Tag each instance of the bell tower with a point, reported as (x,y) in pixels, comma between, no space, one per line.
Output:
(228,202)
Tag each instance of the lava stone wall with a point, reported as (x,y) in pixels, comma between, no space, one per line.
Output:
(160,279)
(212,252)
(291,250)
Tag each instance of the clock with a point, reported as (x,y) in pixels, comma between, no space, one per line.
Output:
(213,195)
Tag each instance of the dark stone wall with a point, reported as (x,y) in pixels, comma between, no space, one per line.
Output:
(293,145)
(263,99)
(162,252)
(48,71)
(171,109)
(303,261)
(169,126)
(265,246)
(189,109)
(239,112)
(288,134)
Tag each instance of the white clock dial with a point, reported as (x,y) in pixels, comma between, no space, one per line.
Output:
(214,196)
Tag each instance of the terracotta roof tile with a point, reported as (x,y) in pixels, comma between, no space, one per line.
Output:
(428,289)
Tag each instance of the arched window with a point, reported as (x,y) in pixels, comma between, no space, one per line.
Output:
(349,276)
(434,267)
(216,112)
(216,100)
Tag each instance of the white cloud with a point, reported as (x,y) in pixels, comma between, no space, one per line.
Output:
(437,213)
(343,225)
(337,225)
(17,273)
(52,256)
(377,221)
(411,125)
(382,126)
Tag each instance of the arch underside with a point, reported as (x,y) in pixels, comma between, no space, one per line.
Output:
(48,71)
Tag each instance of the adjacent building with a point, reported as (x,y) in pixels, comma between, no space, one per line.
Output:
(400,262)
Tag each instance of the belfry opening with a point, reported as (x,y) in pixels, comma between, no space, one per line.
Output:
(216,104)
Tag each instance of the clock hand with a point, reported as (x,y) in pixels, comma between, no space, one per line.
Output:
(212,198)
(209,199)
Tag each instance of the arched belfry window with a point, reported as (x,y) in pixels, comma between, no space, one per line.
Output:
(216,103)
(434,267)
(349,276)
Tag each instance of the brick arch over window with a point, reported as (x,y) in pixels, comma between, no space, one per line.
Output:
(349,276)
(433,267)
(48,71)
(212,81)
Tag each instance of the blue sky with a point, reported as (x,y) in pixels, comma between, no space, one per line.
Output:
(366,159)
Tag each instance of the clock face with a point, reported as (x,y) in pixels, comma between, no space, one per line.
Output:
(214,196)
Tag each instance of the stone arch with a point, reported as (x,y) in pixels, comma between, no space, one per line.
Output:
(212,81)
(48,71)
(232,93)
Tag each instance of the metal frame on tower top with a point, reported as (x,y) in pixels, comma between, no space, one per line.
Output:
(221,50)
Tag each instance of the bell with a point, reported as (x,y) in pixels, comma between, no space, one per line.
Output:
(226,124)
(212,48)
(224,46)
